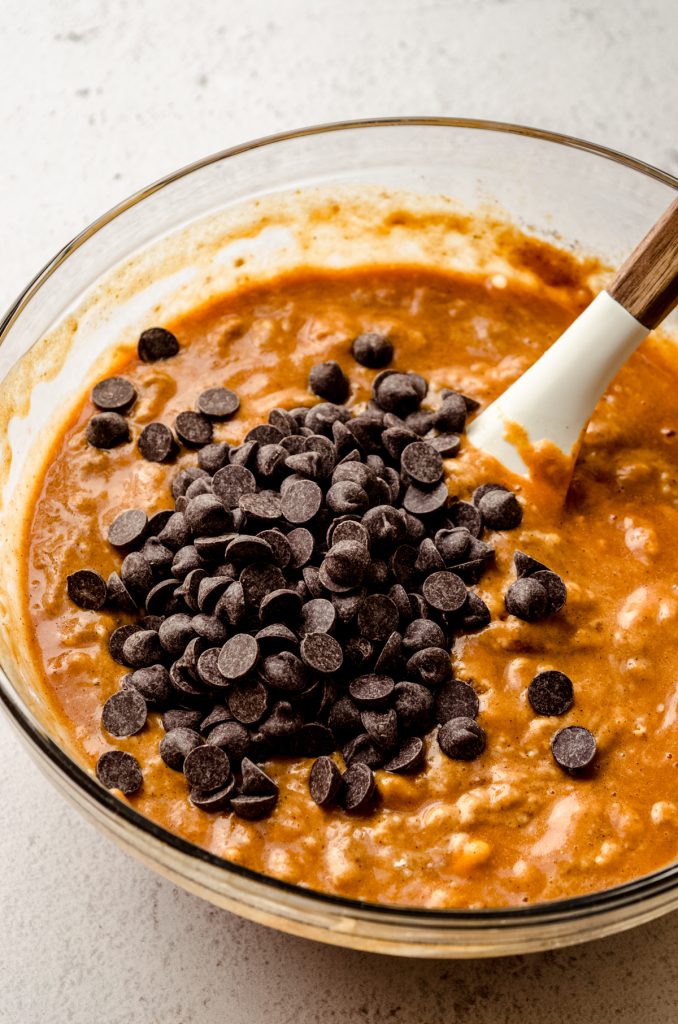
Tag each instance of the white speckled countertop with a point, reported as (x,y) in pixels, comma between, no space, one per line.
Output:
(97,99)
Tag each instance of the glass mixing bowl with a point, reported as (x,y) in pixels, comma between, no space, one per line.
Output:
(244,213)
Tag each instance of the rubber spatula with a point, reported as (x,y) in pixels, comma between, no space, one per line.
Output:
(553,401)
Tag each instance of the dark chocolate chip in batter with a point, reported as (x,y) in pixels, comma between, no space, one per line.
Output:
(301,501)
(218,403)
(456,699)
(153,683)
(424,503)
(321,652)
(193,429)
(213,800)
(555,589)
(447,445)
(328,381)
(409,759)
(430,666)
(238,656)
(500,510)
(232,737)
(115,394)
(255,781)
(574,749)
(527,599)
(375,351)
(461,739)
(422,463)
(358,788)
(551,693)
(117,769)
(444,591)
(177,744)
(87,589)
(371,690)
(207,767)
(124,713)
(324,781)
(463,513)
(252,808)
(107,430)
(128,528)
(413,704)
(157,343)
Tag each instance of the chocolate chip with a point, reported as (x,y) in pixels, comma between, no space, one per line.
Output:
(153,683)
(207,767)
(409,759)
(362,750)
(390,660)
(431,666)
(321,652)
(213,800)
(347,498)
(311,577)
(157,343)
(324,781)
(174,533)
(320,418)
(183,718)
(264,505)
(87,589)
(451,416)
(248,701)
(185,564)
(527,599)
(115,394)
(372,350)
(301,545)
(421,634)
(218,403)
(447,445)
(301,501)
(214,456)
(456,699)
(285,671)
(279,605)
(554,587)
(462,513)
(328,381)
(124,713)
(255,781)
(429,559)
(453,544)
(357,653)
(207,669)
(281,553)
(117,639)
(206,516)
(317,616)
(377,617)
(398,595)
(462,739)
(238,657)
(382,728)
(423,503)
(252,808)
(475,614)
(210,628)
(422,463)
(385,527)
(500,510)
(283,420)
(420,422)
(136,574)
(277,635)
(371,690)
(156,443)
(232,737)
(118,595)
(413,704)
(210,590)
(177,744)
(346,563)
(574,749)
(526,565)
(128,528)
(400,393)
(358,788)
(444,591)
(551,693)
(193,429)
(231,604)
(175,632)
(107,430)
(258,580)
(217,715)
(142,649)
(118,770)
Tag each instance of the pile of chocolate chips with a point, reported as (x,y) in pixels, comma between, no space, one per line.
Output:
(303,595)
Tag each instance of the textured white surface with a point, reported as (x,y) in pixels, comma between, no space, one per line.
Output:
(98,98)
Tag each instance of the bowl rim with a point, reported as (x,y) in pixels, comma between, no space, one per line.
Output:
(585,905)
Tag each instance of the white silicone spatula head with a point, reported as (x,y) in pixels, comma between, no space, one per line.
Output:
(554,399)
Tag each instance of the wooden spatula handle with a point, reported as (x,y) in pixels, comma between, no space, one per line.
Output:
(647,284)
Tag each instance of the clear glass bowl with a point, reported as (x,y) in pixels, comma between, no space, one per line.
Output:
(195,230)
